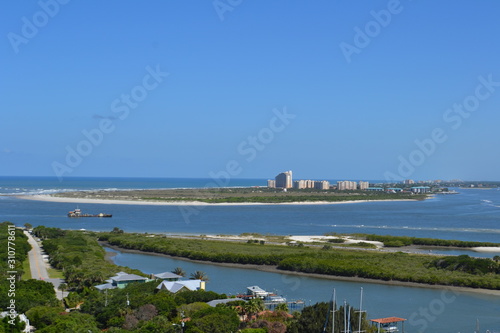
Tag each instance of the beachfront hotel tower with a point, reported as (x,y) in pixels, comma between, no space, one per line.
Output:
(284,180)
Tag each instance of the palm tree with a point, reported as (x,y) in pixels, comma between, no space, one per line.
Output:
(254,306)
(282,307)
(199,275)
(179,271)
(63,286)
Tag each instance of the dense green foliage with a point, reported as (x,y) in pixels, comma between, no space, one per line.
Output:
(15,241)
(342,262)
(464,263)
(215,251)
(79,256)
(26,294)
(327,196)
(398,241)
(56,320)
(313,319)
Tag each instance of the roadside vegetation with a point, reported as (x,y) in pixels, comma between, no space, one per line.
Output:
(26,293)
(78,255)
(395,266)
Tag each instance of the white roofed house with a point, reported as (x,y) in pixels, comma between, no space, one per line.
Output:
(176,286)
(167,276)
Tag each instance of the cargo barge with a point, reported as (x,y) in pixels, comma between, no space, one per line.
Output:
(78,213)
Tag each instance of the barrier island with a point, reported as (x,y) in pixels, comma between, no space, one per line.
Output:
(242,195)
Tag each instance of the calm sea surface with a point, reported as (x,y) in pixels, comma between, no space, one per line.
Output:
(471,215)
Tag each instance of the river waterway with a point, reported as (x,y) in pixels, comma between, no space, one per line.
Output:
(430,310)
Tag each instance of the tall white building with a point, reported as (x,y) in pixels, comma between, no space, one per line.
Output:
(363,185)
(322,185)
(346,185)
(300,184)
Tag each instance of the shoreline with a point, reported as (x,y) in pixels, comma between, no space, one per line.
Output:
(50,198)
(274,269)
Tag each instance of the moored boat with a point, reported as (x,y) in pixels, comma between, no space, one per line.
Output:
(78,213)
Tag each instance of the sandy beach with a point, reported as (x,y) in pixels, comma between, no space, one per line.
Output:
(182,203)
(486,249)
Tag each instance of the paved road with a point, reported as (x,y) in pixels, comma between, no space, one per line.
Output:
(39,267)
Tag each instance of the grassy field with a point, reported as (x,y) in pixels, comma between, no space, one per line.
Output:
(386,266)
(26,270)
(55,273)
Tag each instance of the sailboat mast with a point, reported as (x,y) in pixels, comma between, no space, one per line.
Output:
(334,304)
(360,310)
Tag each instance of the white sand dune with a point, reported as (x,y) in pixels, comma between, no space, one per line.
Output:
(486,249)
(348,240)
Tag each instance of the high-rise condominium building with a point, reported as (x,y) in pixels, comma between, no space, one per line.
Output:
(346,185)
(284,180)
(322,185)
(363,185)
(300,184)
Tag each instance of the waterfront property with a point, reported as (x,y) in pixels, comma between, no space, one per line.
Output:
(256,292)
(121,280)
(167,276)
(170,282)
(176,286)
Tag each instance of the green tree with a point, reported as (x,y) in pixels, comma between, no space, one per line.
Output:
(253,306)
(282,307)
(10,325)
(179,271)
(220,319)
(199,275)
(62,288)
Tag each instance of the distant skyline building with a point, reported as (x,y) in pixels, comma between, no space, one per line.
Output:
(322,185)
(409,181)
(346,185)
(363,185)
(284,180)
(300,184)
(271,183)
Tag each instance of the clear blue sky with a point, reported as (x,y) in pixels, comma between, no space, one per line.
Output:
(360,82)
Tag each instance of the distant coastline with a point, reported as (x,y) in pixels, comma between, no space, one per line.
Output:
(83,200)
